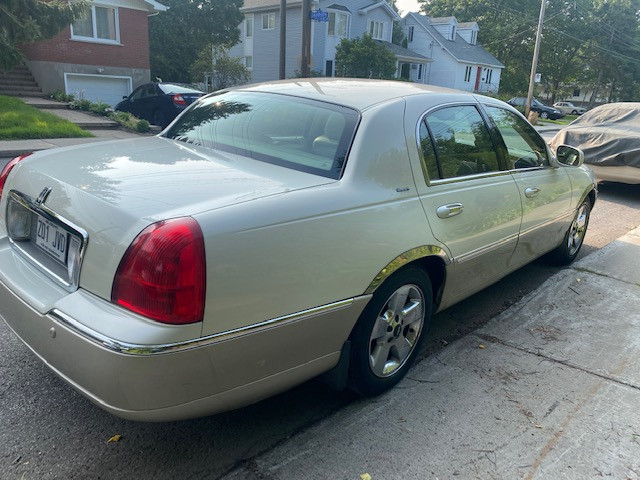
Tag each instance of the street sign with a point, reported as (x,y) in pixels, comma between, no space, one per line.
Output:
(318,16)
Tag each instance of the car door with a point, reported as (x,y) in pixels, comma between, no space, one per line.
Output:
(471,201)
(545,191)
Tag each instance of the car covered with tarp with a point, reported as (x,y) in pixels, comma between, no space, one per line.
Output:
(609,136)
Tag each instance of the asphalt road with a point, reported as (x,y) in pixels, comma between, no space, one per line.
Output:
(48,431)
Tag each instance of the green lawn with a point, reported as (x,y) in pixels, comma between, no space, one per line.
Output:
(566,120)
(19,121)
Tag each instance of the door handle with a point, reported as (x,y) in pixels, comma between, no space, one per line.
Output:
(449,210)
(531,192)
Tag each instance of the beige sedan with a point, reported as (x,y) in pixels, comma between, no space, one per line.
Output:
(273,233)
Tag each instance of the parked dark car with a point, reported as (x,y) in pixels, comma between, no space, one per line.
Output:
(159,103)
(544,111)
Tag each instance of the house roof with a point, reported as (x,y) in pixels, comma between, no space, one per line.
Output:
(269,4)
(458,48)
(441,20)
(465,25)
(382,4)
(403,53)
(156,6)
(337,6)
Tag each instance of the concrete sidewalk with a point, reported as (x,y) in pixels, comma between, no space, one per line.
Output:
(549,389)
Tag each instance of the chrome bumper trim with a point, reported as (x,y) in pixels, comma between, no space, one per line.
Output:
(159,349)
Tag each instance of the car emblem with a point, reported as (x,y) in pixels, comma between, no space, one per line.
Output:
(43,195)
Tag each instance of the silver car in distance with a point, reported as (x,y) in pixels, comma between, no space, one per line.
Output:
(273,233)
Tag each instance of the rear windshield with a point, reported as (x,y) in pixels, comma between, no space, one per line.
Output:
(292,132)
(172,88)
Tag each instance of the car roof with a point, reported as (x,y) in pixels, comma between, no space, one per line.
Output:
(355,93)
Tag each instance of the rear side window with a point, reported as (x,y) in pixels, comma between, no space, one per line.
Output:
(292,132)
(455,142)
(525,148)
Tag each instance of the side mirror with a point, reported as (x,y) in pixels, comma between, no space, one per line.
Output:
(570,156)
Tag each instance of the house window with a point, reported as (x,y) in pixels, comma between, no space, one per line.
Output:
(268,21)
(338,24)
(248,32)
(453,32)
(474,37)
(248,62)
(467,74)
(576,92)
(376,29)
(100,25)
(411,34)
(420,72)
(489,73)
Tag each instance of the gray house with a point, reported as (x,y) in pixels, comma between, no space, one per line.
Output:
(260,37)
(458,61)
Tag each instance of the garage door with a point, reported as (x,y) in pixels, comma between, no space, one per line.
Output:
(98,88)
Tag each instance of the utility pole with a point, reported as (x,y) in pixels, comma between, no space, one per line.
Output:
(534,64)
(283,37)
(306,38)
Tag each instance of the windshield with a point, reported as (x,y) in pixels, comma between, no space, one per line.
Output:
(292,132)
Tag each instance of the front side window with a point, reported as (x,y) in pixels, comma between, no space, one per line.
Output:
(269,21)
(376,30)
(525,148)
(100,25)
(338,24)
(461,143)
(309,136)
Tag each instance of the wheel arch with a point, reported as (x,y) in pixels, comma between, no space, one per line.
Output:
(430,258)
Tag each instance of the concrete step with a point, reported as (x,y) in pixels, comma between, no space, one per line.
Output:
(16,76)
(17,83)
(20,93)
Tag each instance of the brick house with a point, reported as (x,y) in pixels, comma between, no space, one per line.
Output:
(101,57)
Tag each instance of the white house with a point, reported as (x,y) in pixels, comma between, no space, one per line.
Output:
(260,36)
(457,59)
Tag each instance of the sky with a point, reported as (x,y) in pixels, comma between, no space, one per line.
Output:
(408,6)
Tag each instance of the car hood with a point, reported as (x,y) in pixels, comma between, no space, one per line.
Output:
(158,178)
(605,145)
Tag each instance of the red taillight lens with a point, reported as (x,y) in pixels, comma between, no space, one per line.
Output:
(179,100)
(162,274)
(7,169)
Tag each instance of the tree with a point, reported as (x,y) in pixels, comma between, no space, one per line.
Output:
(27,21)
(177,36)
(364,58)
(593,43)
(225,72)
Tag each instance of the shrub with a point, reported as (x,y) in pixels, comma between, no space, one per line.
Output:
(82,104)
(100,108)
(60,96)
(142,126)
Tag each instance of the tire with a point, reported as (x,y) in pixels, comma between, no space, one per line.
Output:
(387,336)
(544,115)
(574,112)
(158,119)
(574,238)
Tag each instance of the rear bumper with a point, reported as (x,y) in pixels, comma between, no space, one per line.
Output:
(190,379)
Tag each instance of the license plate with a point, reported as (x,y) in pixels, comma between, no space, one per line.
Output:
(53,239)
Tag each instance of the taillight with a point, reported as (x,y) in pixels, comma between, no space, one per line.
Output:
(162,274)
(7,169)
(179,100)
